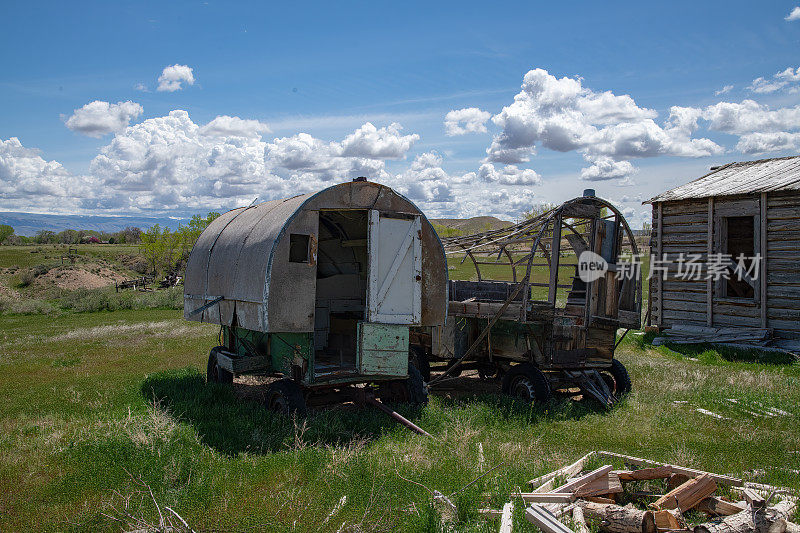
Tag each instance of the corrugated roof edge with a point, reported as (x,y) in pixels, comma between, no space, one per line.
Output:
(660,197)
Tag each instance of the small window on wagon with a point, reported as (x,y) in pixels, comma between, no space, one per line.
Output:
(298,248)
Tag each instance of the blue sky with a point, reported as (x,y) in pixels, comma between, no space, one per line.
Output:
(326,69)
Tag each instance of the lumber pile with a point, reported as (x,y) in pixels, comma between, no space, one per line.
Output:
(571,498)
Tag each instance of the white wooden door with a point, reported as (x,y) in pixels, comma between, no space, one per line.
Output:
(394,292)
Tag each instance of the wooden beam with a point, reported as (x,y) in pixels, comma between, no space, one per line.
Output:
(763,265)
(547,497)
(726,480)
(555,248)
(583,480)
(547,522)
(569,470)
(719,507)
(507,518)
(753,498)
(709,251)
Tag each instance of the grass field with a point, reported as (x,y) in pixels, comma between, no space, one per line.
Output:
(95,404)
(101,408)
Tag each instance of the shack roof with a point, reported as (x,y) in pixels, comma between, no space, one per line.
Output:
(764,175)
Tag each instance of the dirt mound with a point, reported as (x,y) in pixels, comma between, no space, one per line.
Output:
(8,292)
(84,277)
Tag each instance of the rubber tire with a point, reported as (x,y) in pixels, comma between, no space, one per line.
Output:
(417,391)
(419,358)
(620,374)
(215,374)
(285,397)
(528,376)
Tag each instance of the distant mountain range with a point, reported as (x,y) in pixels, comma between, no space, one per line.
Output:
(28,224)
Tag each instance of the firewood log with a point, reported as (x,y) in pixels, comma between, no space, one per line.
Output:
(687,495)
(720,507)
(616,519)
(770,520)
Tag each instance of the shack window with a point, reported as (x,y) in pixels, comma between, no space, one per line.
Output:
(298,248)
(739,239)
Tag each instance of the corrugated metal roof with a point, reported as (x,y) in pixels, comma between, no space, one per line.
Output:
(764,175)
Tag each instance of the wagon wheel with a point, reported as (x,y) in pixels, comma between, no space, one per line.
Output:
(409,390)
(526,382)
(215,373)
(285,397)
(621,378)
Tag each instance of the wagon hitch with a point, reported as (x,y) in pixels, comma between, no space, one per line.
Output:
(592,383)
(366,397)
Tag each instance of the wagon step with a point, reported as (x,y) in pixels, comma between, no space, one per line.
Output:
(593,384)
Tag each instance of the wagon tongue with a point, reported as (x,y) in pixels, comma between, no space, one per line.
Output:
(592,383)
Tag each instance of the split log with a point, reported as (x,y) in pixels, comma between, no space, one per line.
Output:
(668,520)
(687,495)
(609,484)
(791,527)
(616,519)
(600,499)
(719,507)
(579,520)
(658,472)
(769,520)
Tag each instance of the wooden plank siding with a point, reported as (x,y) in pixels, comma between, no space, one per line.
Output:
(686,227)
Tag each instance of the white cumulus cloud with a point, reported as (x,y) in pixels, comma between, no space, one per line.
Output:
(563,115)
(786,79)
(724,90)
(173,77)
(794,14)
(378,143)
(509,175)
(225,125)
(99,118)
(467,120)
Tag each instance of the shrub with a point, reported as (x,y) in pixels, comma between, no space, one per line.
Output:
(25,277)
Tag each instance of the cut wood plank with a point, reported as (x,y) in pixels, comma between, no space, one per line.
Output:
(753,498)
(583,480)
(547,497)
(491,513)
(719,507)
(506,520)
(609,484)
(570,470)
(657,472)
(687,495)
(600,499)
(616,519)
(726,480)
(545,520)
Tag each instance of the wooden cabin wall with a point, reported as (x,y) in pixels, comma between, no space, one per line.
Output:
(783,263)
(686,230)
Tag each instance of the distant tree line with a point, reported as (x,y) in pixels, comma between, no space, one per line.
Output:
(129,235)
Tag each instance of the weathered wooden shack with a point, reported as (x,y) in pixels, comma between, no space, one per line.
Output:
(747,209)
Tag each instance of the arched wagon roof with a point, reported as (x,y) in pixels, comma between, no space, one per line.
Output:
(235,258)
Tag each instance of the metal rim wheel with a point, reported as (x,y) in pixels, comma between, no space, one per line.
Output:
(526,382)
(285,397)
(621,377)
(214,373)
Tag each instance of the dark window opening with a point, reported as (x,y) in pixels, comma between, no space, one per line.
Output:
(298,248)
(739,240)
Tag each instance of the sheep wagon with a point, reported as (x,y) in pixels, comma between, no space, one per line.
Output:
(321,290)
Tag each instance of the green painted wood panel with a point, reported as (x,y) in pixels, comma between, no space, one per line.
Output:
(383,349)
